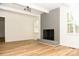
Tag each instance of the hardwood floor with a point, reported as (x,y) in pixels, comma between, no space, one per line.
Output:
(35,48)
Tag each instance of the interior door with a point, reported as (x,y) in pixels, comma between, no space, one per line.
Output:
(2,29)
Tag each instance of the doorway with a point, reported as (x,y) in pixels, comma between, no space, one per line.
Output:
(2,29)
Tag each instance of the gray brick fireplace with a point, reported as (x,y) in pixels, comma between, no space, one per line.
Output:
(50,27)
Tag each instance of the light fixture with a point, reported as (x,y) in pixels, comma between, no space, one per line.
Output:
(27,8)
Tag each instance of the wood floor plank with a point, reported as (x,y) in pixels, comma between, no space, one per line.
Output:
(35,48)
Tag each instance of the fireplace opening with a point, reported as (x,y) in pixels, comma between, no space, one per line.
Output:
(48,34)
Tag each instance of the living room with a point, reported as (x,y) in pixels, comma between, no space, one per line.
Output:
(27,29)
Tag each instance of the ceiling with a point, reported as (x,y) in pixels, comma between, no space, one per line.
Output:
(43,7)
(47,6)
(36,8)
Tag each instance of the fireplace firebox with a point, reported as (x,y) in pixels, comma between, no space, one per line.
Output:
(48,34)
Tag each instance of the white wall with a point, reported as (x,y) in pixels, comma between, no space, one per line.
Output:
(67,39)
(18,26)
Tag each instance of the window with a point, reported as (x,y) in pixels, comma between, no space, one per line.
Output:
(70,28)
(77,28)
(69,23)
(72,20)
